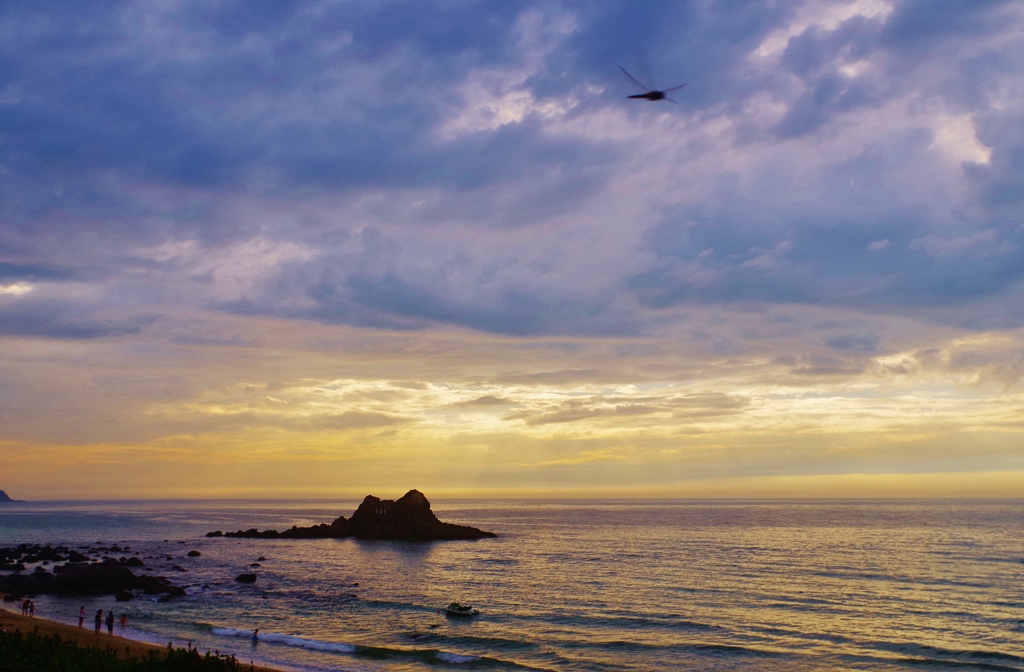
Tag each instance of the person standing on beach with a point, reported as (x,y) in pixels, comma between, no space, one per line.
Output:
(31,609)
(24,606)
(81,616)
(124,621)
(110,622)
(99,620)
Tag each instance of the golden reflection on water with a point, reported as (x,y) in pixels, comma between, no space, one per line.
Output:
(626,586)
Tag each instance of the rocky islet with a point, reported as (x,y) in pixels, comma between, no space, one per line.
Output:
(407,519)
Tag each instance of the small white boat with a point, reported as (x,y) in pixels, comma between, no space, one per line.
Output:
(456,609)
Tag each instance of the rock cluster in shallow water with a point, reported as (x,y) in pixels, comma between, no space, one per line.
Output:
(76,576)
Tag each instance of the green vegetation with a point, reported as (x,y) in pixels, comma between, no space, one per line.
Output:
(21,653)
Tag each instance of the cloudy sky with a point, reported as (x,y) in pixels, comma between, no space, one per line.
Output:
(263,248)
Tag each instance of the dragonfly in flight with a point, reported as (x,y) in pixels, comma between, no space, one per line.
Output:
(650,93)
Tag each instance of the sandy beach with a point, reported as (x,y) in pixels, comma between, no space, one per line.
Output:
(86,636)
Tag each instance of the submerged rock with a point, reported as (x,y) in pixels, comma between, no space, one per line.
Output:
(175,592)
(247,577)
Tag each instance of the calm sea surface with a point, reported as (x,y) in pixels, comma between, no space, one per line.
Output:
(581,585)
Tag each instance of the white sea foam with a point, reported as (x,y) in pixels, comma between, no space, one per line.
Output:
(288,640)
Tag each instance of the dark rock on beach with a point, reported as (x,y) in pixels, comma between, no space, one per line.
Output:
(409,518)
(193,554)
(83,579)
(78,576)
(26,553)
(247,577)
(174,593)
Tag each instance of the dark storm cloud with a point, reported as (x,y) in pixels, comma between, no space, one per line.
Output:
(808,261)
(130,124)
(866,240)
(336,295)
(701,43)
(11,272)
(87,90)
(63,319)
(1000,184)
(207,100)
(920,24)
(511,311)
(815,56)
(855,343)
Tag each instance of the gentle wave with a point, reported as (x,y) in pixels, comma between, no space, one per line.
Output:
(289,640)
(428,655)
(789,587)
(596,621)
(933,653)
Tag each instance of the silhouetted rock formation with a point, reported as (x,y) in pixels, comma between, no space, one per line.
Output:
(25,553)
(101,578)
(336,530)
(4,498)
(77,576)
(409,518)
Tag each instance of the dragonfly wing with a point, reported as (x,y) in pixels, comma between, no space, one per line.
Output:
(634,80)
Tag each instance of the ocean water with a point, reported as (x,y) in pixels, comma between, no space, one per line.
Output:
(577,585)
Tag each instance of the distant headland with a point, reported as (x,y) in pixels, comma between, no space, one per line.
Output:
(5,499)
(408,519)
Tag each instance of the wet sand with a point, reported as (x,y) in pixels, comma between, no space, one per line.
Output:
(86,635)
